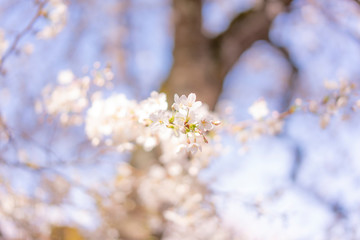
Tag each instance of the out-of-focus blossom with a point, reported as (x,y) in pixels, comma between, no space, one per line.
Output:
(3,43)
(56,12)
(259,109)
(65,77)
(67,100)
(28,48)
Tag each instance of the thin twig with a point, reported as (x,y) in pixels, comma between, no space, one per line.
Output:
(21,34)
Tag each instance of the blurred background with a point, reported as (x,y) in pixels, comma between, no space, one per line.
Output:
(300,184)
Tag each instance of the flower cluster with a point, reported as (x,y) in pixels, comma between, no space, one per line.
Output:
(188,118)
(56,12)
(112,121)
(71,97)
(170,203)
(263,122)
(339,101)
(121,122)
(68,99)
(249,130)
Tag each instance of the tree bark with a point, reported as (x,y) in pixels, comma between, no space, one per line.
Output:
(193,68)
(201,63)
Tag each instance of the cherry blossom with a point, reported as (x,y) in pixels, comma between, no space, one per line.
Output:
(259,109)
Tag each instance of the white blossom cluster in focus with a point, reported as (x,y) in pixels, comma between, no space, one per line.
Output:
(121,122)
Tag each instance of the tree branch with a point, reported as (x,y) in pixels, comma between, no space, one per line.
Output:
(13,47)
(200,63)
(336,23)
(244,30)
(292,81)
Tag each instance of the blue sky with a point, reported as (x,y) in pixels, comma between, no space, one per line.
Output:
(322,49)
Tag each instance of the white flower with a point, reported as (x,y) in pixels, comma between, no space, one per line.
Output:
(258,109)
(114,118)
(159,118)
(189,148)
(184,104)
(148,142)
(193,148)
(205,124)
(155,105)
(191,101)
(159,99)
(65,76)
(181,149)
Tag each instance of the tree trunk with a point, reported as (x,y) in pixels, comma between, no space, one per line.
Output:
(200,63)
